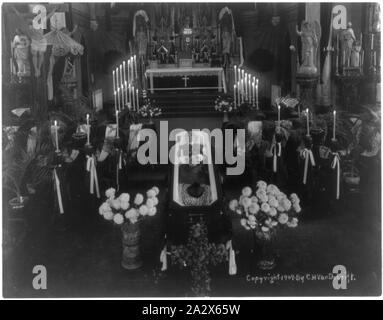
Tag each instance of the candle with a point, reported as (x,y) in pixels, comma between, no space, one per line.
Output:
(256,94)
(242,92)
(87,129)
(253,84)
(124,68)
(132,69)
(249,86)
(117,124)
(308,121)
(118,98)
(117,85)
(372,42)
(122,96)
(135,66)
(235,99)
(239,75)
(126,93)
(114,82)
(128,71)
(134,102)
(56,127)
(235,74)
(121,80)
(362,60)
(374,58)
(115,100)
(130,94)
(138,101)
(279,115)
(334,125)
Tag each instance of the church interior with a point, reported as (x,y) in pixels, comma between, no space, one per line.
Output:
(191,149)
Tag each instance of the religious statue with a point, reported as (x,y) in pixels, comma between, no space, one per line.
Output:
(172,51)
(310,36)
(20,52)
(162,52)
(347,43)
(226,46)
(141,38)
(355,54)
(204,52)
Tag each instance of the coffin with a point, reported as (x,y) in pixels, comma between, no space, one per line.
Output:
(183,208)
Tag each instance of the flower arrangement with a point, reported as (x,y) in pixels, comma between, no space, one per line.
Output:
(266,210)
(119,209)
(149,110)
(198,254)
(224,104)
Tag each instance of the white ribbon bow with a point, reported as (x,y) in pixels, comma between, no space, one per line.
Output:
(91,168)
(276,154)
(232,264)
(336,164)
(307,154)
(58,190)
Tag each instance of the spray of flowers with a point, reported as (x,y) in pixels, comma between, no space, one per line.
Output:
(266,209)
(224,104)
(120,209)
(149,109)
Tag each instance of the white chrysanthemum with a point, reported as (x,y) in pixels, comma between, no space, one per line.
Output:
(273,202)
(108,215)
(273,212)
(254,208)
(124,205)
(150,203)
(132,215)
(246,202)
(294,198)
(104,208)
(110,193)
(155,201)
(283,218)
(286,204)
(151,193)
(152,211)
(246,191)
(138,199)
(271,188)
(251,221)
(265,207)
(280,207)
(263,198)
(265,229)
(297,208)
(274,223)
(124,197)
(118,218)
(254,199)
(115,204)
(233,204)
(281,196)
(156,190)
(261,184)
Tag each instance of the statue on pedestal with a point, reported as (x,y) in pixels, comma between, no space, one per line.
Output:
(20,52)
(310,36)
(141,33)
(355,54)
(347,43)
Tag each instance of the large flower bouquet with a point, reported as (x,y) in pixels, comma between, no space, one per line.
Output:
(224,104)
(266,210)
(149,110)
(120,210)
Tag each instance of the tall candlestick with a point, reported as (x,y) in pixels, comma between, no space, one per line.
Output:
(334,125)
(256,94)
(308,121)
(374,58)
(235,99)
(372,42)
(117,124)
(118,98)
(135,66)
(114,82)
(87,129)
(235,74)
(279,115)
(134,100)
(253,84)
(128,71)
(138,101)
(117,82)
(56,127)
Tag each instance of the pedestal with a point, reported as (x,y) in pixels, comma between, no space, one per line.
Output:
(307,85)
(349,86)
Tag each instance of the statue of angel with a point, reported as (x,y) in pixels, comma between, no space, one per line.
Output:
(310,36)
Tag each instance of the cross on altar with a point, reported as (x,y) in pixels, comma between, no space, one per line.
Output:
(186,78)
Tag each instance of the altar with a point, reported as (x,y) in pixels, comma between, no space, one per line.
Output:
(186,74)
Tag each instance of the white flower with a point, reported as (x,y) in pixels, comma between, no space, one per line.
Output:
(138,199)
(124,197)
(294,198)
(115,204)
(152,211)
(143,210)
(297,208)
(246,202)
(132,215)
(251,221)
(274,223)
(105,207)
(263,198)
(124,205)
(246,191)
(286,204)
(272,212)
(261,184)
(283,218)
(118,218)
(243,223)
(254,208)
(265,229)
(280,207)
(150,203)
(110,193)
(281,196)
(108,215)
(155,201)
(254,199)
(151,193)
(273,202)
(271,188)
(233,204)
(265,207)
(156,190)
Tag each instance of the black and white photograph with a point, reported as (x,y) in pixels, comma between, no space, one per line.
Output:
(191,150)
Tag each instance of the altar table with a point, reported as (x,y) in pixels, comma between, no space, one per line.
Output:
(184,73)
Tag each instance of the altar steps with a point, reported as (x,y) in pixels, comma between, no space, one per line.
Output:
(186,104)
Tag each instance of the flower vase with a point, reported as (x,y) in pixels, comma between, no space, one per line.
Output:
(150,120)
(225,117)
(267,255)
(131,251)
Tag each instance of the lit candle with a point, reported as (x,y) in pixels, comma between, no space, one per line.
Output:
(114,82)
(372,41)
(121,80)
(126,93)
(242,92)
(130,95)
(138,101)
(118,98)
(117,82)
(334,125)
(115,100)
(117,124)
(249,86)
(374,58)
(87,129)
(308,121)
(128,71)
(256,93)
(134,102)
(279,115)
(122,96)
(56,128)
(235,99)
(124,68)
(135,66)
(253,84)
(132,69)
(246,92)
(235,74)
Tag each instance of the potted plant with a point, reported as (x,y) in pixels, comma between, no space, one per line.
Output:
(128,216)
(263,212)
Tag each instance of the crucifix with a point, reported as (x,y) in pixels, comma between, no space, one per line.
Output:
(186,78)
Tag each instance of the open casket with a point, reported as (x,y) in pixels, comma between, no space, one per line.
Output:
(189,168)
